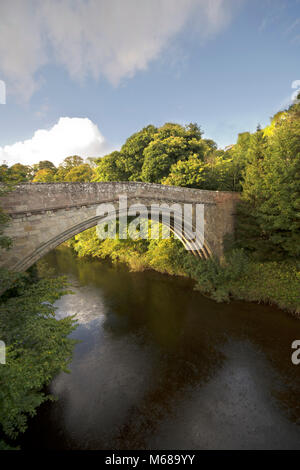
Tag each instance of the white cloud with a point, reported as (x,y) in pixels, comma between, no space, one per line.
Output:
(112,38)
(22,50)
(70,136)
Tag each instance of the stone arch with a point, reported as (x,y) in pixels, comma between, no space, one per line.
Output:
(202,251)
(43,215)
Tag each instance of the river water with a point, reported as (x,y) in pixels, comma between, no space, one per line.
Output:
(160,366)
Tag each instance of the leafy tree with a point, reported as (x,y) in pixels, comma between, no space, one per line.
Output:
(149,154)
(37,348)
(79,173)
(5,242)
(132,151)
(191,173)
(19,173)
(257,146)
(44,165)
(3,173)
(71,162)
(160,155)
(172,143)
(67,165)
(269,130)
(193,131)
(45,175)
(269,224)
(111,167)
(220,174)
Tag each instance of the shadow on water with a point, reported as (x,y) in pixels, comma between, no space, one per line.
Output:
(162,367)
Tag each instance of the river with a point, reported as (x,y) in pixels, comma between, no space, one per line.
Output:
(159,366)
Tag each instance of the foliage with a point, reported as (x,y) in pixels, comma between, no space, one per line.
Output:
(71,162)
(81,172)
(220,174)
(273,282)
(37,345)
(72,169)
(132,152)
(166,256)
(175,155)
(111,167)
(269,222)
(3,173)
(37,348)
(45,175)
(43,165)
(213,276)
(149,154)
(171,144)
(5,242)
(15,174)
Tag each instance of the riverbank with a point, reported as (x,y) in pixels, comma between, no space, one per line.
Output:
(236,277)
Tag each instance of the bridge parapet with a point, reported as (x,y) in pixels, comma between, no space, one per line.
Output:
(33,197)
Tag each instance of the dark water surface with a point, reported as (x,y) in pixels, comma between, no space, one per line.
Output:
(162,367)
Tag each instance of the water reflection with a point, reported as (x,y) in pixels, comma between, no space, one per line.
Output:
(161,367)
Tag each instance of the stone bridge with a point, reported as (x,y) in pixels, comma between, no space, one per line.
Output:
(44,215)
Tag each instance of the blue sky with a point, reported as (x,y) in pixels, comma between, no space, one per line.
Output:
(227,67)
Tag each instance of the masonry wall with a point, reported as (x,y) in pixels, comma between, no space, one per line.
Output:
(44,215)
